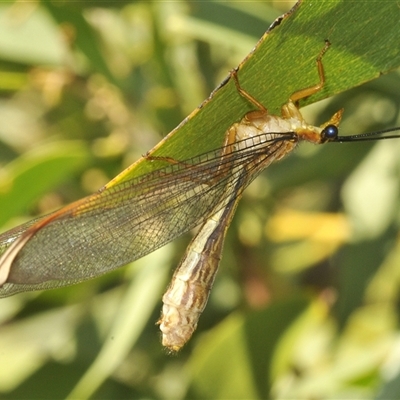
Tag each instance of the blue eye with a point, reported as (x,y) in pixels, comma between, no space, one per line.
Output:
(330,133)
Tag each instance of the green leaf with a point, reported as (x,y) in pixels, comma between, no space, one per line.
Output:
(246,342)
(85,38)
(364,44)
(33,174)
(390,390)
(36,41)
(283,62)
(134,311)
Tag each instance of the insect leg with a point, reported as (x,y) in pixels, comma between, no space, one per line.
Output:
(245,94)
(301,94)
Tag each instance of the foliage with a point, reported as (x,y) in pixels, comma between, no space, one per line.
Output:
(305,304)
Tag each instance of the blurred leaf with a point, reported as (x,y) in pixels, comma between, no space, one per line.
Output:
(390,390)
(24,349)
(358,263)
(33,174)
(138,303)
(83,35)
(168,52)
(247,342)
(231,16)
(360,192)
(28,35)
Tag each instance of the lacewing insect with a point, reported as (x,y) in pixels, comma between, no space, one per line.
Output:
(131,219)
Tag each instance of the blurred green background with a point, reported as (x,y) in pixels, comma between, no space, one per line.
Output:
(305,304)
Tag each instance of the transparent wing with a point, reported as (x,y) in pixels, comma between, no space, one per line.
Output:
(129,220)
